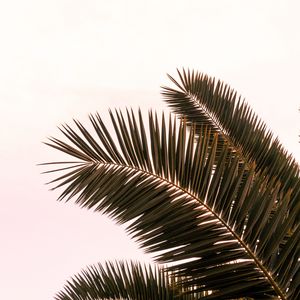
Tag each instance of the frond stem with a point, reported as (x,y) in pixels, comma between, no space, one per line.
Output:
(224,134)
(240,241)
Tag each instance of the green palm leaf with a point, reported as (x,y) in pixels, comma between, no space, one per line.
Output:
(191,199)
(123,280)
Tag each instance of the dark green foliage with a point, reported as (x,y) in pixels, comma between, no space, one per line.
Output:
(119,280)
(213,193)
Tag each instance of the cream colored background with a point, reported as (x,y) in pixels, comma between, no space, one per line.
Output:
(64,59)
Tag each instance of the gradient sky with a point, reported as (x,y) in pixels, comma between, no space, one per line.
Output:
(64,59)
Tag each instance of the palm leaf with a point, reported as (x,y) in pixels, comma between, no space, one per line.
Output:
(203,101)
(123,280)
(191,200)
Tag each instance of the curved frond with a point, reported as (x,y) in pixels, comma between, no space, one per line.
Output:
(123,280)
(220,223)
(203,101)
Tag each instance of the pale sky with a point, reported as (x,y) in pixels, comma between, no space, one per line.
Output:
(64,59)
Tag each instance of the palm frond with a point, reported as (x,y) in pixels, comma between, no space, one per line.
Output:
(219,221)
(203,101)
(123,280)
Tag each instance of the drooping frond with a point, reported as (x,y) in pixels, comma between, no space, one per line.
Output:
(123,280)
(203,101)
(192,200)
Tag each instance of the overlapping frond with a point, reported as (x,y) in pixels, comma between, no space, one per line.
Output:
(123,280)
(203,101)
(192,200)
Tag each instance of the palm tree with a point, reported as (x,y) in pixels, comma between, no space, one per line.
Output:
(210,191)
